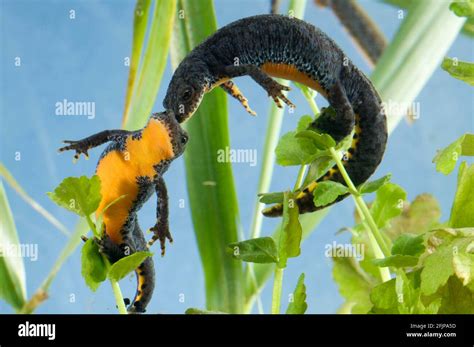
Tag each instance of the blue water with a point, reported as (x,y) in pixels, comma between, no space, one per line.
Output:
(83,60)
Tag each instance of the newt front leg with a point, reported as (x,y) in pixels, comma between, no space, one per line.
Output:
(82,146)
(273,88)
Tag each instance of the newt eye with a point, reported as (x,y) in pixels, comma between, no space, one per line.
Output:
(186,96)
(184,139)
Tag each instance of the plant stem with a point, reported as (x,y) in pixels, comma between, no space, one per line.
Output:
(375,237)
(118,297)
(300,178)
(277,286)
(92,226)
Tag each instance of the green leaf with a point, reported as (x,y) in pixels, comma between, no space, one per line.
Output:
(209,182)
(437,269)
(298,304)
(140,21)
(460,70)
(370,187)
(12,269)
(294,151)
(124,266)
(318,168)
(353,283)
(193,310)
(463,265)
(419,216)
(463,204)
(327,192)
(153,63)
(263,272)
(304,122)
(401,297)
(397,261)
(259,250)
(320,141)
(456,298)
(446,158)
(462,8)
(408,244)
(388,204)
(94,268)
(80,195)
(271,198)
(290,238)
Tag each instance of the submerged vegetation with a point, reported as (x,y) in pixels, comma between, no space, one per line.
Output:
(413,262)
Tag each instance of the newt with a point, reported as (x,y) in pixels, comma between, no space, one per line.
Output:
(131,169)
(266,46)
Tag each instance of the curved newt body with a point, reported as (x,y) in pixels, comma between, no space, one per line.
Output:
(130,170)
(289,48)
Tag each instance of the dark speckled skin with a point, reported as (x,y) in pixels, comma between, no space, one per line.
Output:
(279,39)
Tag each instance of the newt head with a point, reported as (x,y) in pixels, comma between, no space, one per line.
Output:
(186,89)
(176,134)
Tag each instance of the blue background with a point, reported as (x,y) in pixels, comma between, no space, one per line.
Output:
(83,60)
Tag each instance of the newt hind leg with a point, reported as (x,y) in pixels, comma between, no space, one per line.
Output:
(235,92)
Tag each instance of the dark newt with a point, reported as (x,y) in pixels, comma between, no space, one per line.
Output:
(133,165)
(279,46)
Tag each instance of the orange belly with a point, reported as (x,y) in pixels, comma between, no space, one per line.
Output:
(118,172)
(290,72)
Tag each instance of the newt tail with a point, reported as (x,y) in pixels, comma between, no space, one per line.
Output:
(267,46)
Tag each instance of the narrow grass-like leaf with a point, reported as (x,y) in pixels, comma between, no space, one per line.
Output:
(210,183)
(404,67)
(41,293)
(12,269)
(140,21)
(35,205)
(153,64)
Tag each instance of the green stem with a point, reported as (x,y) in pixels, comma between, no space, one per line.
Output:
(312,104)
(300,178)
(375,237)
(92,226)
(277,286)
(118,297)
